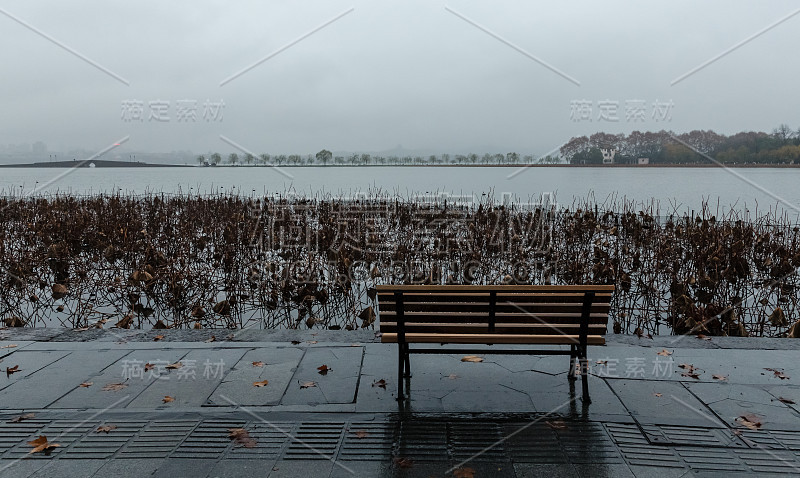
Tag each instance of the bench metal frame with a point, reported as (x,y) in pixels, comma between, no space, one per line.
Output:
(577,351)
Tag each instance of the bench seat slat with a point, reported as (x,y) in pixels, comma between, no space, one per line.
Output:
(483,297)
(483,307)
(425,338)
(503,288)
(480,317)
(501,328)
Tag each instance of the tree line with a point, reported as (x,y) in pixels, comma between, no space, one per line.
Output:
(782,146)
(325,158)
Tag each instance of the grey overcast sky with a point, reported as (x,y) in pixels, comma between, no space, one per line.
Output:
(389,72)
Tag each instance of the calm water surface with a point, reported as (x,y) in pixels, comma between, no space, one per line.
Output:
(755,190)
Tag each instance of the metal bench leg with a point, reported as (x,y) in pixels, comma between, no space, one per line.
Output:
(572,358)
(407,361)
(400,365)
(585,379)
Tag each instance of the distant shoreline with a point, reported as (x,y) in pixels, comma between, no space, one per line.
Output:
(93,163)
(128,164)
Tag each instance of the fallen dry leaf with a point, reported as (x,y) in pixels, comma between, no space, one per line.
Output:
(472,358)
(241,437)
(556,424)
(379,383)
(174,366)
(295,342)
(168,399)
(41,444)
(20,418)
(211,339)
(750,421)
(12,370)
(9,346)
(308,384)
(87,384)
(664,353)
(157,338)
(105,428)
(464,472)
(719,377)
(258,364)
(657,394)
(452,376)
(324,369)
(262,383)
(114,387)
(703,337)
(786,400)
(312,342)
(778,373)
(402,462)
(602,362)
(362,434)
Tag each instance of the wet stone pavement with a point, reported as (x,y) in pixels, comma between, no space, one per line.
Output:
(664,407)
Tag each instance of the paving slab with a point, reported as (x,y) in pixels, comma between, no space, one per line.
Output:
(27,363)
(663,403)
(48,384)
(192,384)
(339,385)
(129,371)
(237,387)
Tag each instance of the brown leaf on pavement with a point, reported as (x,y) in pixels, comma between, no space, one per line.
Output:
(471,358)
(657,394)
(556,424)
(241,437)
(9,346)
(41,444)
(703,337)
(750,421)
(402,462)
(778,373)
(148,367)
(719,377)
(114,387)
(12,370)
(452,376)
(379,383)
(174,366)
(105,428)
(168,399)
(308,384)
(324,369)
(258,364)
(786,400)
(664,353)
(86,384)
(211,339)
(262,383)
(464,472)
(157,338)
(19,418)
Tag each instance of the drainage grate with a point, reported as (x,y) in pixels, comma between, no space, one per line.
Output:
(478,441)
(158,439)
(691,436)
(715,459)
(315,441)
(103,445)
(369,441)
(62,432)
(770,461)
(208,440)
(424,440)
(270,437)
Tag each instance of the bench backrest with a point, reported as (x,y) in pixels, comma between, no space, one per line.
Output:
(493,314)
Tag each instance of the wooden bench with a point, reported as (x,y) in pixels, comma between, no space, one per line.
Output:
(505,314)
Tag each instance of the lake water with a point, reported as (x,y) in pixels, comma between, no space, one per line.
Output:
(753,189)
